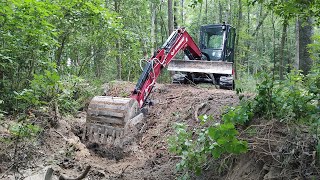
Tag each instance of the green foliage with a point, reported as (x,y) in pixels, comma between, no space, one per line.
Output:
(196,145)
(286,100)
(294,99)
(292,8)
(44,90)
(21,130)
(263,100)
(313,78)
(239,114)
(48,91)
(246,83)
(77,35)
(225,137)
(194,3)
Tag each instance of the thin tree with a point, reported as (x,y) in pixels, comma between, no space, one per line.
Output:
(182,12)
(153,27)
(282,49)
(170,17)
(118,59)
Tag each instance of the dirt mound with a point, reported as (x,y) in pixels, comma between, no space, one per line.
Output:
(275,152)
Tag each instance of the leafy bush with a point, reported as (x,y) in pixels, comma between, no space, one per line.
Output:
(240,114)
(196,145)
(24,130)
(48,91)
(286,100)
(44,91)
(263,102)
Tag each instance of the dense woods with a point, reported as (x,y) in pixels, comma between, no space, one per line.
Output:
(56,54)
(101,41)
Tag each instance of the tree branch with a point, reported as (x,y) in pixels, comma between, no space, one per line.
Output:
(260,23)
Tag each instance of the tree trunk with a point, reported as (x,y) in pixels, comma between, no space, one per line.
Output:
(156,28)
(163,27)
(304,32)
(273,45)
(283,40)
(260,23)
(153,19)
(237,59)
(248,43)
(230,12)
(60,49)
(170,17)
(182,12)
(220,12)
(206,12)
(118,59)
(175,14)
(199,19)
(212,15)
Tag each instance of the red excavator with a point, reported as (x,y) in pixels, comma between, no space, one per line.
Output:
(115,120)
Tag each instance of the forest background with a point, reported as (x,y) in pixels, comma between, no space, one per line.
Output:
(62,51)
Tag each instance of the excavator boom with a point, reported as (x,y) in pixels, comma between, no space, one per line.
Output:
(178,40)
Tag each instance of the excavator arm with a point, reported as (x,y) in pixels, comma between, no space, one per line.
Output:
(115,120)
(178,40)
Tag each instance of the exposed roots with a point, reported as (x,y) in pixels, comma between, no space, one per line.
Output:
(284,151)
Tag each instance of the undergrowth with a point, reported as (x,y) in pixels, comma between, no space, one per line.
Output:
(246,83)
(293,100)
(195,145)
(48,97)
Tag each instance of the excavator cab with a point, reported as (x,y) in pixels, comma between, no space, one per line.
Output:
(217,42)
(216,65)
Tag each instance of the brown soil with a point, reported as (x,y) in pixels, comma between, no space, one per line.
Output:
(62,150)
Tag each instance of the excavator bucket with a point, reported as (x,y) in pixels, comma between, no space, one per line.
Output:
(112,120)
(201,66)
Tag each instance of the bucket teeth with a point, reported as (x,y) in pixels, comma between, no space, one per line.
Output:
(107,117)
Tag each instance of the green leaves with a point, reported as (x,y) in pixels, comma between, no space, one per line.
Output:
(48,90)
(205,118)
(293,8)
(225,137)
(24,130)
(240,114)
(194,3)
(35,34)
(286,100)
(196,145)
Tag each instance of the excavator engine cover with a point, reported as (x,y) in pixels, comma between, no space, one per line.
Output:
(110,119)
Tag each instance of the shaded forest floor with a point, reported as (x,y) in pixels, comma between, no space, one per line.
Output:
(276,150)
